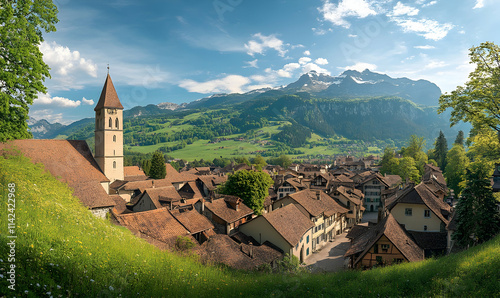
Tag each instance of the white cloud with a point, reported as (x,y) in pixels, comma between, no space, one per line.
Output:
(429,29)
(46,99)
(360,66)
(89,102)
(255,46)
(304,60)
(321,61)
(435,64)
(228,84)
(287,70)
(63,61)
(307,53)
(479,4)
(352,35)
(346,8)
(252,63)
(68,68)
(320,31)
(426,47)
(429,4)
(400,9)
(311,66)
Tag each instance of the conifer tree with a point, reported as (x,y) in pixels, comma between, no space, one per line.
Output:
(460,138)
(440,150)
(477,218)
(158,169)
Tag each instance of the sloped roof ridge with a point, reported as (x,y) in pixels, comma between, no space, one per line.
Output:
(109,97)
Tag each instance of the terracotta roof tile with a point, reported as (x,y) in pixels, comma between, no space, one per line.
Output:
(223,209)
(133,171)
(289,222)
(309,200)
(109,98)
(158,224)
(193,221)
(394,232)
(223,249)
(353,195)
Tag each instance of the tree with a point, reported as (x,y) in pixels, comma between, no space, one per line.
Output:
(478,101)
(22,70)
(158,169)
(146,166)
(283,161)
(259,162)
(407,169)
(477,218)
(251,186)
(440,150)
(460,138)
(456,168)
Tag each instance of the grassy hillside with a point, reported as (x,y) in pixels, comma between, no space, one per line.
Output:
(61,249)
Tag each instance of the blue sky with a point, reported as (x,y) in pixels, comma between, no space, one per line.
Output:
(179,51)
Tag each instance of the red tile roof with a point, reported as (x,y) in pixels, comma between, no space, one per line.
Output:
(158,224)
(133,171)
(289,222)
(353,195)
(394,232)
(73,162)
(223,210)
(309,200)
(109,98)
(193,221)
(223,249)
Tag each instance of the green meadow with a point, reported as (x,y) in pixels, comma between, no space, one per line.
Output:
(63,251)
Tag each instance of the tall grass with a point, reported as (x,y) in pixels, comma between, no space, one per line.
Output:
(62,249)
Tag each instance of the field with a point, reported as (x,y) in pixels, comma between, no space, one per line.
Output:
(62,250)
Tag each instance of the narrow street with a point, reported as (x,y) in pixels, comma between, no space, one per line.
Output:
(330,258)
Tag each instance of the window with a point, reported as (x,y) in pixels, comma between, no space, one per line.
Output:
(114,138)
(114,164)
(307,251)
(307,240)
(117,123)
(379,259)
(427,213)
(408,211)
(425,228)
(110,122)
(375,249)
(317,240)
(385,247)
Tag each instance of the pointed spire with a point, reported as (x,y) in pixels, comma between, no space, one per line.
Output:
(109,98)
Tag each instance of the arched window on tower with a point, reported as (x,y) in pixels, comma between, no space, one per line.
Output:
(114,164)
(110,123)
(114,138)
(117,123)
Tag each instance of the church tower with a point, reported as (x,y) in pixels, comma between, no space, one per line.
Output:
(109,132)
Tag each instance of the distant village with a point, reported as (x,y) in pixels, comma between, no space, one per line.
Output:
(307,207)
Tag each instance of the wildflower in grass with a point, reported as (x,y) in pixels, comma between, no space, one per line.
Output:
(26,292)
(111,288)
(58,286)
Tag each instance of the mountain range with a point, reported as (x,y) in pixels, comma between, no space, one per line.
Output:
(358,105)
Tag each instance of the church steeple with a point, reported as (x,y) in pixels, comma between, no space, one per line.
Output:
(109,98)
(109,132)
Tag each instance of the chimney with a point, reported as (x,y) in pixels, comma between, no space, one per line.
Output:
(153,184)
(202,205)
(318,195)
(237,205)
(251,249)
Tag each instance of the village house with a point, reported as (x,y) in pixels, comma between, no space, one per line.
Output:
(424,215)
(244,254)
(385,244)
(287,228)
(157,226)
(197,225)
(352,199)
(208,184)
(372,187)
(290,186)
(156,198)
(328,217)
(434,179)
(226,212)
